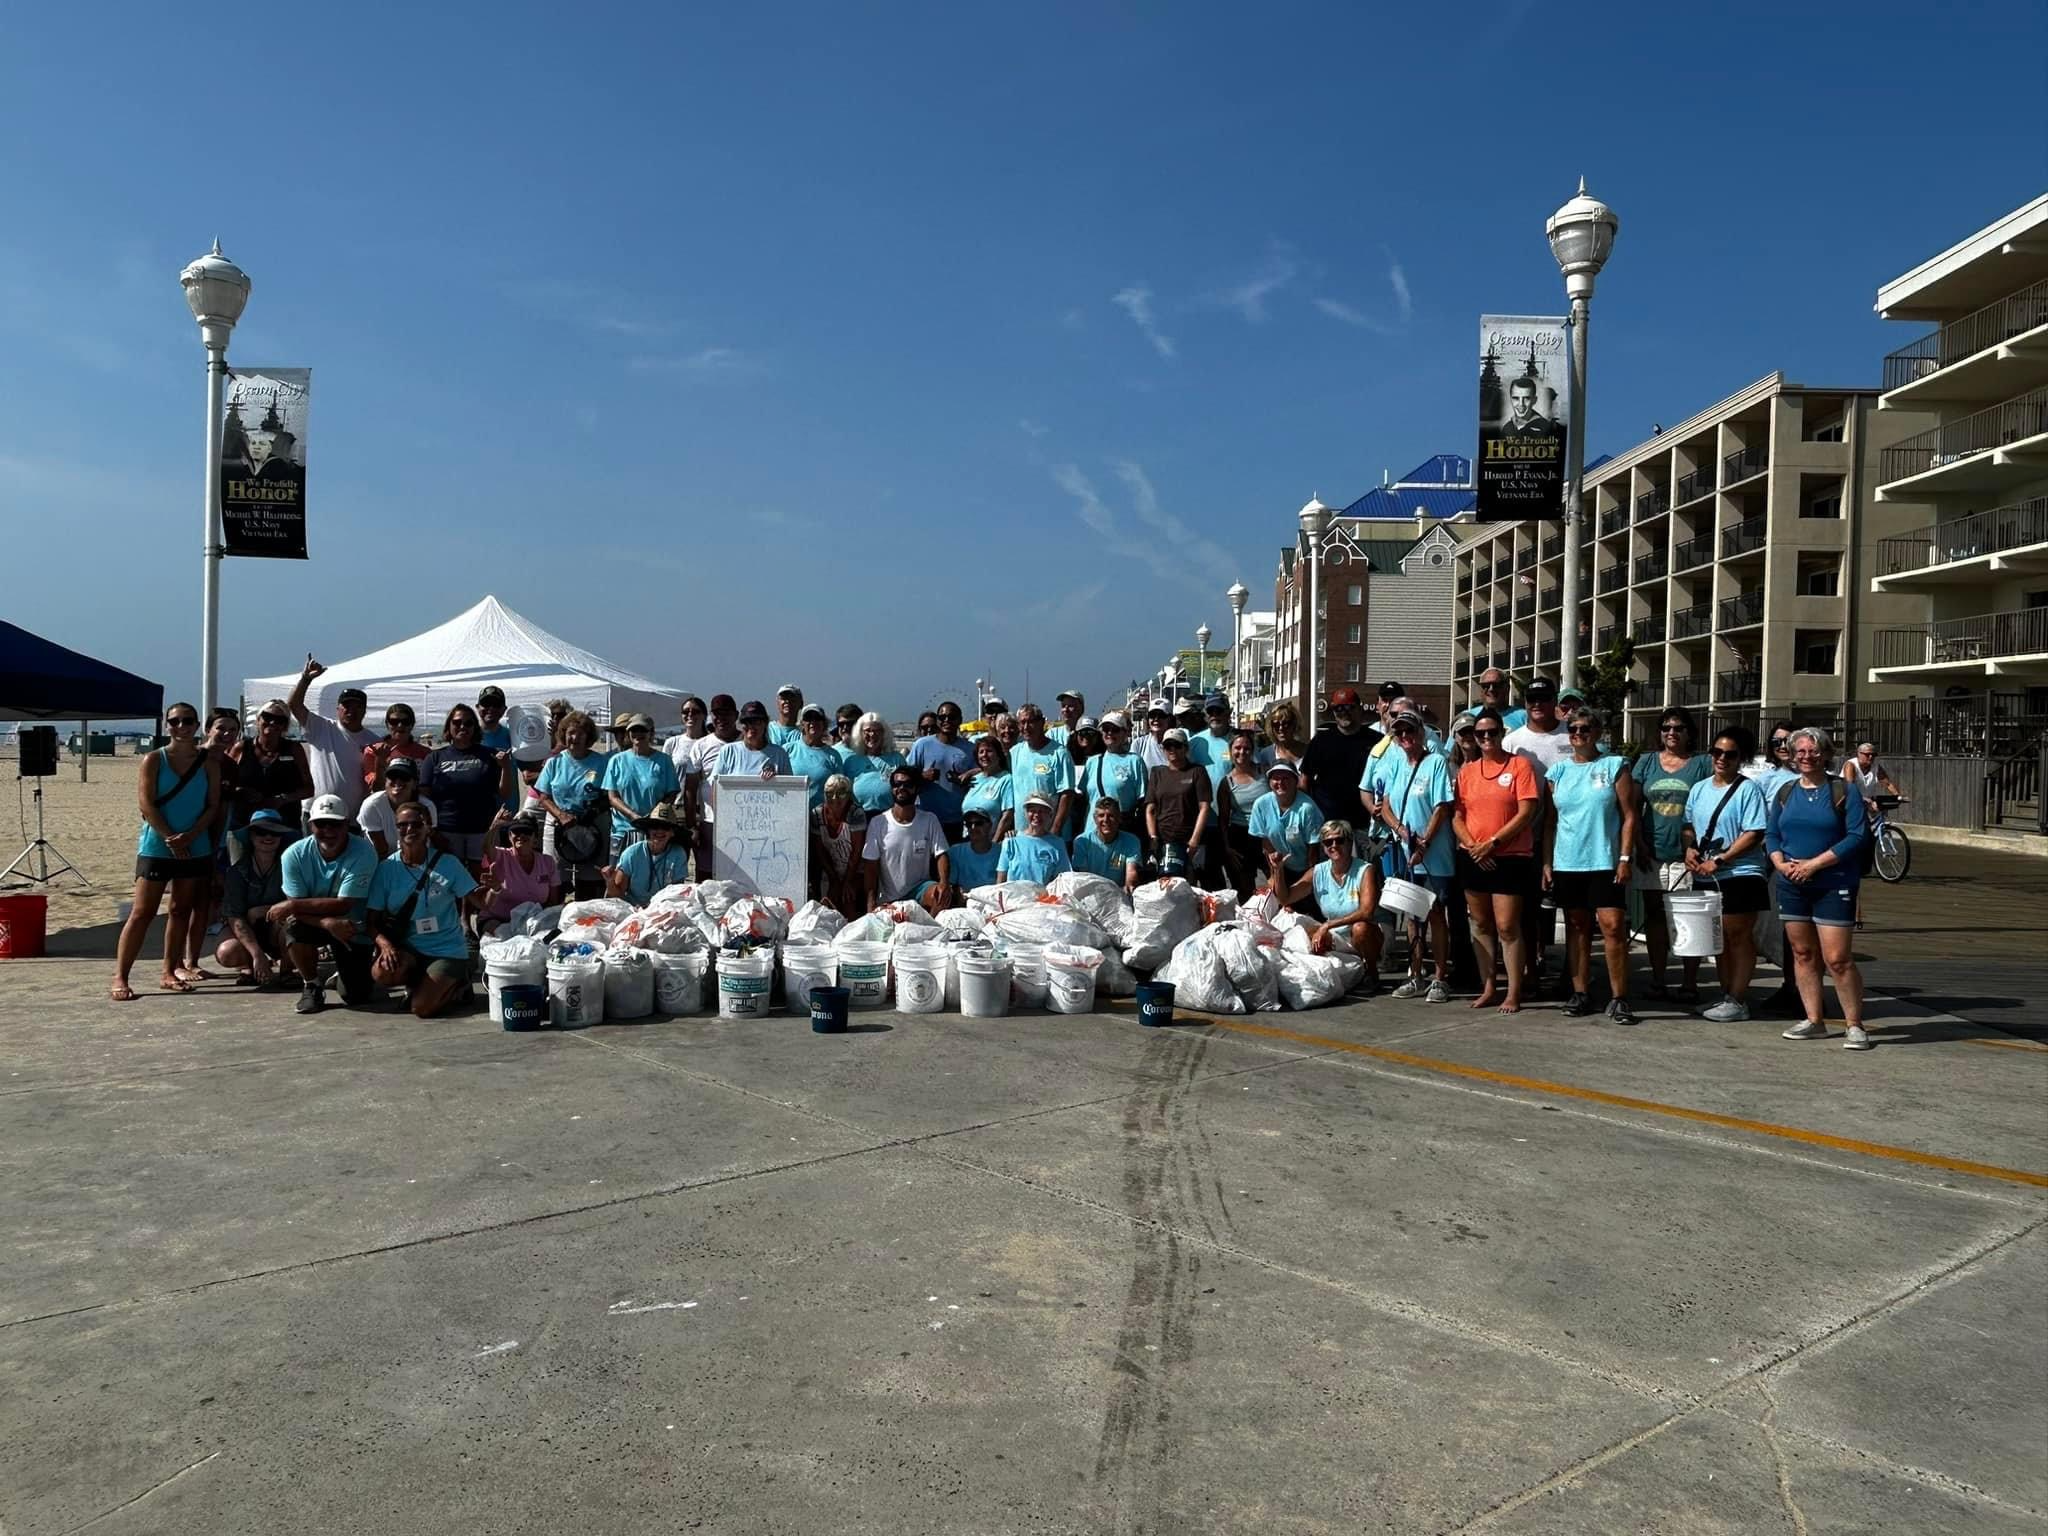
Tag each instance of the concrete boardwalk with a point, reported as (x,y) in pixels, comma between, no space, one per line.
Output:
(1393,1268)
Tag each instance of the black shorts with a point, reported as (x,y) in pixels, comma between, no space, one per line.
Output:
(164,871)
(351,961)
(1586,890)
(1739,893)
(1510,876)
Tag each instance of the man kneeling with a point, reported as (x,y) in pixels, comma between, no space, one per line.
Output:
(416,902)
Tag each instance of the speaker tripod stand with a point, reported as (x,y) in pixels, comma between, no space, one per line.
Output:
(42,851)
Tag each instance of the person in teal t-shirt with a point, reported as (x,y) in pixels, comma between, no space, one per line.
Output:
(416,901)
(813,756)
(1034,854)
(989,790)
(974,857)
(1287,820)
(638,779)
(656,862)
(1040,765)
(1106,849)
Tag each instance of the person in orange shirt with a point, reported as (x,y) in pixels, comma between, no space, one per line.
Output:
(1498,797)
(397,742)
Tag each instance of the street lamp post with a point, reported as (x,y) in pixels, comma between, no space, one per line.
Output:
(1581,234)
(216,289)
(1236,593)
(1202,633)
(1312,517)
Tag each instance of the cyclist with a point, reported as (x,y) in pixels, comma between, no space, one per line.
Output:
(1876,786)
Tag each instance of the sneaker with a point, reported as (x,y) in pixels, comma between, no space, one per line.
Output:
(1368,986)
(1577,1006)
(310,999)
(1618,1012)
(1412,987)
(1728,1011)
(1438,993)
(1807,1029)
(1858,1040)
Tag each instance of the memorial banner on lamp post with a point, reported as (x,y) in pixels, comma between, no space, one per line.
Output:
(1525,408)
(263,463)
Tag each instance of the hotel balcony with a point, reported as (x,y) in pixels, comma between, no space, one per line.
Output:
(1649,630)
(1613,520)
(1692,623)
(1698,550)
(1743,464)
(1743,538)
(1966,550)
(1553,546)
(2000,350)
(1650,567)
(1701,482)
(2013,644)
(1690,691)
(1738,687)
(1654,502)
(1743,610)
(1996,449)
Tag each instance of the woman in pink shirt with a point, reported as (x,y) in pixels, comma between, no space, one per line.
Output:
(524,873)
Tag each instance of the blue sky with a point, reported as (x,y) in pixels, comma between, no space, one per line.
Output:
(884,347)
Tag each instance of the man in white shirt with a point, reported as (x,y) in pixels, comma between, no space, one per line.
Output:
(1543,739)
(725,727)
(334,748)
(905,847)
(684,747)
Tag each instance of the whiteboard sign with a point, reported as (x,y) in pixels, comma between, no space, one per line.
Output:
(762,834)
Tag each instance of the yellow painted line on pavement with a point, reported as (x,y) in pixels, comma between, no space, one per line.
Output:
(1623,1101)
(2012,1045)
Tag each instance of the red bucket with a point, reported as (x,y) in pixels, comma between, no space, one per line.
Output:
(23,921)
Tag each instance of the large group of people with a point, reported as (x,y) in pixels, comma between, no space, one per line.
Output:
(381,857)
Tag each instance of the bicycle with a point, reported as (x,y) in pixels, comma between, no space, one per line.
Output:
(1891,851)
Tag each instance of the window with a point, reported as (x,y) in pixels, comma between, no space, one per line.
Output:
(1820,575)
(1827,432)
(1354,634)
(1825,500)
(1354,594)
(1350,671)
(1813,651)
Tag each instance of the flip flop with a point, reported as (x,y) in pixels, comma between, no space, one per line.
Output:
(121,992)
(174,984)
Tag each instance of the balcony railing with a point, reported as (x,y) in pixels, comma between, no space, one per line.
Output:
(1524,558)
(1688,623)
(1553,545)
(1525,655)
(1652,503)
(1739,686)
(1501,613)
(1698,550)
(1503,566)
(1603,637)
(1500,658)
(1613,576)
(1613,520)
(1699,483)
(1742,464)
(1964,538)
(1464,582)
(1690,691)
(1985,637)
(1549,599)
(1741,611)
(1740,538)
(1548,652)
(1650,567)
(1979,432)
(1649,630)
(1987,327)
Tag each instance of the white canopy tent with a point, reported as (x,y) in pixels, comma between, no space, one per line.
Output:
(449,664)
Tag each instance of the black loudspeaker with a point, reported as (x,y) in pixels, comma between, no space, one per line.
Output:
(38,752)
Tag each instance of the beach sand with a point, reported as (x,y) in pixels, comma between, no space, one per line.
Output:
(94,825)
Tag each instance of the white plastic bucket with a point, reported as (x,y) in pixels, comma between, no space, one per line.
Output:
(679,982)
(1028,981)
(1070,988)
(500,974)
(920,978)
(575,992)
(864,972)
(805,966)
(743,984)
(984,984)
(1695,923)
(628,984)
(1407,898)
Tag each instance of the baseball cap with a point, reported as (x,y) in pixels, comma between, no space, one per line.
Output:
(1039,797)
(632,722)
(1282,765)
(1406,715)
(1216,701)
(401,768)
(491,695)
(1156,707)
(351,693)
(1570,691)
(326,808)
(1342,697)
(789,688)
(1176,734)
(1540,688)
(1070,693)
(722,704)
(814,711)
(266,821)
(1391,690)
(753,709)
(1086,723)
(1117,718)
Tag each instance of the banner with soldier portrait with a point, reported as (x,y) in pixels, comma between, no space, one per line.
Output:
(1525,410)
(263,463)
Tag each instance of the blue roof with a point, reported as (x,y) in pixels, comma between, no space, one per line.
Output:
(1440,486)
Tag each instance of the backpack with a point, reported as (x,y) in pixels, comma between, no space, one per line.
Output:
(1837,791)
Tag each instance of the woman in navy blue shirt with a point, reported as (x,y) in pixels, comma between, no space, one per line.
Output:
(1815,831)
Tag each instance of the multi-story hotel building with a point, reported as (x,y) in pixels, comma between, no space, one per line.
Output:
(1735,550)
(1979,381)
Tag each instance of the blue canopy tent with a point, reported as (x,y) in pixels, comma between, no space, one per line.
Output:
(41,680)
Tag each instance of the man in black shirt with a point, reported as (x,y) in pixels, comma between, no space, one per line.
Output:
(1334,763)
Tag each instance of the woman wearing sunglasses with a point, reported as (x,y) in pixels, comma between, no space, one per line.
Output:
(1498,797)
(520,872)
(1664,779)
(267,772)
(1586,859)
(176,787)
(1725,819)
(397,742)
(416,904)
(1347,893)
(468,783)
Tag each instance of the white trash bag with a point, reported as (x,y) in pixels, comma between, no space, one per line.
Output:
(763,919)
(1114,978)
(661,930)
(1103,900)
(1316,981)
(1200,978)
(815,923)
(1002,897)
(1163,913)
(1253,968)
(1049,923)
